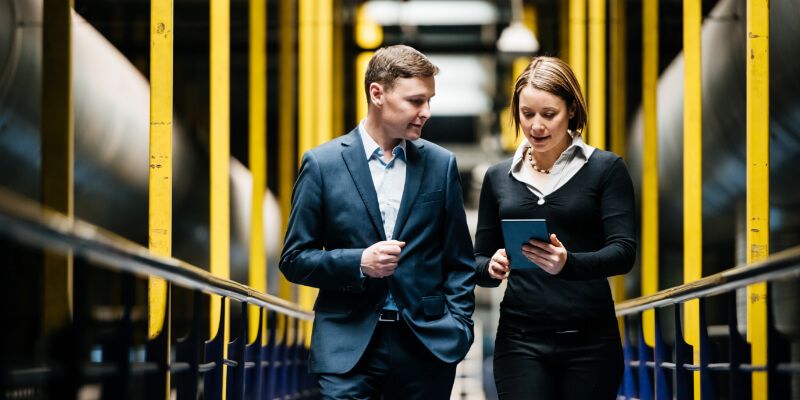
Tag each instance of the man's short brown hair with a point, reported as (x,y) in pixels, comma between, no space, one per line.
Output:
(398,61)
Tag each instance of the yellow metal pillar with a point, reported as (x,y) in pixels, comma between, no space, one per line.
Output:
(597,74)
(286,123)
(306,91)
(577,42)
(258,155)
(508,137)
(692,174)
(362,60)
(57,152)
(337,70)
(617,125)
(220,161)
(160,193)
(650,162)
(368,35)
(757,182)
(563,29)
(618,95)
(314,95)
(323,79)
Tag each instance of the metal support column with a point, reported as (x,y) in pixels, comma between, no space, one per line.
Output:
(257,149)
(758,181)
(219,140)
(692,174)
(577,41)
(597,74)
(650,162)
(57,152)
(160,186)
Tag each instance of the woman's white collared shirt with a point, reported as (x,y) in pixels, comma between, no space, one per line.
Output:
(566,166)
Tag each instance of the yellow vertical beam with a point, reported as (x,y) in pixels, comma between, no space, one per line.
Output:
(758,181)
(692,173)
(312,121)
(617,124)
(368,34)
(323,30)
(618,86)
(563,29)
(220,159)
(508,137)
(306,70)
(650,162)
(577,42)
(362,60)
(337,70)
(257,149)
(160,192)
(597,74)
(57,152)
(286,141)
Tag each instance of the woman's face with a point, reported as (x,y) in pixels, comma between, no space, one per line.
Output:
(544,119)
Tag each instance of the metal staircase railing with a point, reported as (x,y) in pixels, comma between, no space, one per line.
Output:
(668,369)
(110,356)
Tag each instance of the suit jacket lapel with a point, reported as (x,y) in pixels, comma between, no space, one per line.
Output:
(415,166)
(354,158)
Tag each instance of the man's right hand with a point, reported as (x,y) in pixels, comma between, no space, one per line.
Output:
(380,259)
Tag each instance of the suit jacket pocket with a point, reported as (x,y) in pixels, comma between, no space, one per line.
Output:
(436,195)
(433,307)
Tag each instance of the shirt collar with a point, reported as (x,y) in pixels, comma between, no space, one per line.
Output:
(577,145)
(371,147)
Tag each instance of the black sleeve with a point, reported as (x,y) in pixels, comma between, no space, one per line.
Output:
(489,235)
(618,216)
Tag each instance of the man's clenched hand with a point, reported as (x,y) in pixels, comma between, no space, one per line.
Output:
(380,259)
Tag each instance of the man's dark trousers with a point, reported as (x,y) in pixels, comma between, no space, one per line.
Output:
(395,366)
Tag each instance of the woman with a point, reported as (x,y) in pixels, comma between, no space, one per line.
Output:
(557,337)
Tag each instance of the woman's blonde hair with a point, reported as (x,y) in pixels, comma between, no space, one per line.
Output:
(554,76)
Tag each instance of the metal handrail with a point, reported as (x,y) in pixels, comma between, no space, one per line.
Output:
(784,264)
(28,221)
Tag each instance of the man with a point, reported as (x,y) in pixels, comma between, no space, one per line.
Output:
(378,225)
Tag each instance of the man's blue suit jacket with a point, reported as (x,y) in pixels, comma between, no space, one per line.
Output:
(335,216)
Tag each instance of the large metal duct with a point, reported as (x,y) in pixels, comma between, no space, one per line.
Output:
(724,135)
(111,103)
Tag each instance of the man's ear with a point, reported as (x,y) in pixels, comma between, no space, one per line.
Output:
(376,93)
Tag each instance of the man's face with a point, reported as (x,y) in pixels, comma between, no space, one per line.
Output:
(405,107)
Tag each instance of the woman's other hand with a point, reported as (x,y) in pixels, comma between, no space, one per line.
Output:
(550,257)
(498,265)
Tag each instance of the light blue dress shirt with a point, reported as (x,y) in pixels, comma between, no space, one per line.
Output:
(389,178)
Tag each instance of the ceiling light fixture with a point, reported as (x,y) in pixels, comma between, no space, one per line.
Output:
(517,38)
